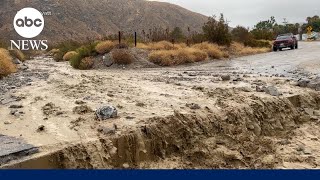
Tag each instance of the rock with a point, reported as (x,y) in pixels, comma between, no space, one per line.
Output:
(110,95)
(193,106)
(79,102)
(307,151)
(126,165)
(245,89)
(16,107)
(260,88)
(237,79)
(273,91)
(83,109)
(226,77)
(16,61)
(304,118)
(300,148)
(309,111)
(314,85)
(24,67)
(106,112)
(316,113)
(303,83)
(107,60)
(7,122)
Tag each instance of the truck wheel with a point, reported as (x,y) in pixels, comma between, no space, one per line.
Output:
(275,49)
(292,47)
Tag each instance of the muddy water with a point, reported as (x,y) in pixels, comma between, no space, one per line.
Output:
(287,62)
(233,126)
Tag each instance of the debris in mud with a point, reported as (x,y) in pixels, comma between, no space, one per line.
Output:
(83,109)
(273,91)
(76,123)
(79,102)
(7,122)
(106,112)
(260,88)
(226,77)
(50,109)
(107,131)
(245,89)
(16,107)
(303,83)
(140,104)
(193,106)
(41,128)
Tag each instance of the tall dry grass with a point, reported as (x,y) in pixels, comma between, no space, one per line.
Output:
(177,57)
(105,47)
(6,65)
(214,51)
(122,56)
(238,49)
(162,45)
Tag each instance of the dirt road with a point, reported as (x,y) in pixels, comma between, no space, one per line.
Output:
(180,117)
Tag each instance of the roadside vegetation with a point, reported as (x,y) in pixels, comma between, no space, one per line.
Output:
(6,65)
(165,47)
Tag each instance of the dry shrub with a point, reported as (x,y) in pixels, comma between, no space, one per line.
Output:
(105,47)
(239,49)
(122,56)
(86,63)
(162,45)
(213,50)
(16,53)
(69,55)
(177,57)
(53,51)
(6,65)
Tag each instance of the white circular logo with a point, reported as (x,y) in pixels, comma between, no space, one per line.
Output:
(28,22)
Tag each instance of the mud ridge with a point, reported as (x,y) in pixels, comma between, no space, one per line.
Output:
(237,137)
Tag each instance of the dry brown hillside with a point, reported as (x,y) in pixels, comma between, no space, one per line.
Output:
(78,19)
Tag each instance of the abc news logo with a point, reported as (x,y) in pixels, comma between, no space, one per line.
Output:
(29,23)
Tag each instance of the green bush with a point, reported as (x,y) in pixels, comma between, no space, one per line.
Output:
(64,48)
(84,51)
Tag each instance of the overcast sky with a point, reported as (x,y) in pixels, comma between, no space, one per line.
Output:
(248,12)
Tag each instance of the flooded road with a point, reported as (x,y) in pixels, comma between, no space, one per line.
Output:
(305,60)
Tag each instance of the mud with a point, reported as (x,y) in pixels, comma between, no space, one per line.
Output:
(186,117)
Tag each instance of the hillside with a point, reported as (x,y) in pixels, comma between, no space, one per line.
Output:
(78,19)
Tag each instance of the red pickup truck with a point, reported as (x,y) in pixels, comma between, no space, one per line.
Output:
(285,41)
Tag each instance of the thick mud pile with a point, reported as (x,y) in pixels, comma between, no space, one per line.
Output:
(242,133)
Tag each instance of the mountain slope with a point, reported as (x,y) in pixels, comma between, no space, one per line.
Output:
(78,19)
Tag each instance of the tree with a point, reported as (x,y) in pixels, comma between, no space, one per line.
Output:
(217,31)
(314,22)
(241,34)
(177,34)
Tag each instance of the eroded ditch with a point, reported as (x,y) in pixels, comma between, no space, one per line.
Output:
(243,132)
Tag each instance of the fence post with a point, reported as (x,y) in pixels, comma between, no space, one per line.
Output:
(119,37)
(135,39)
